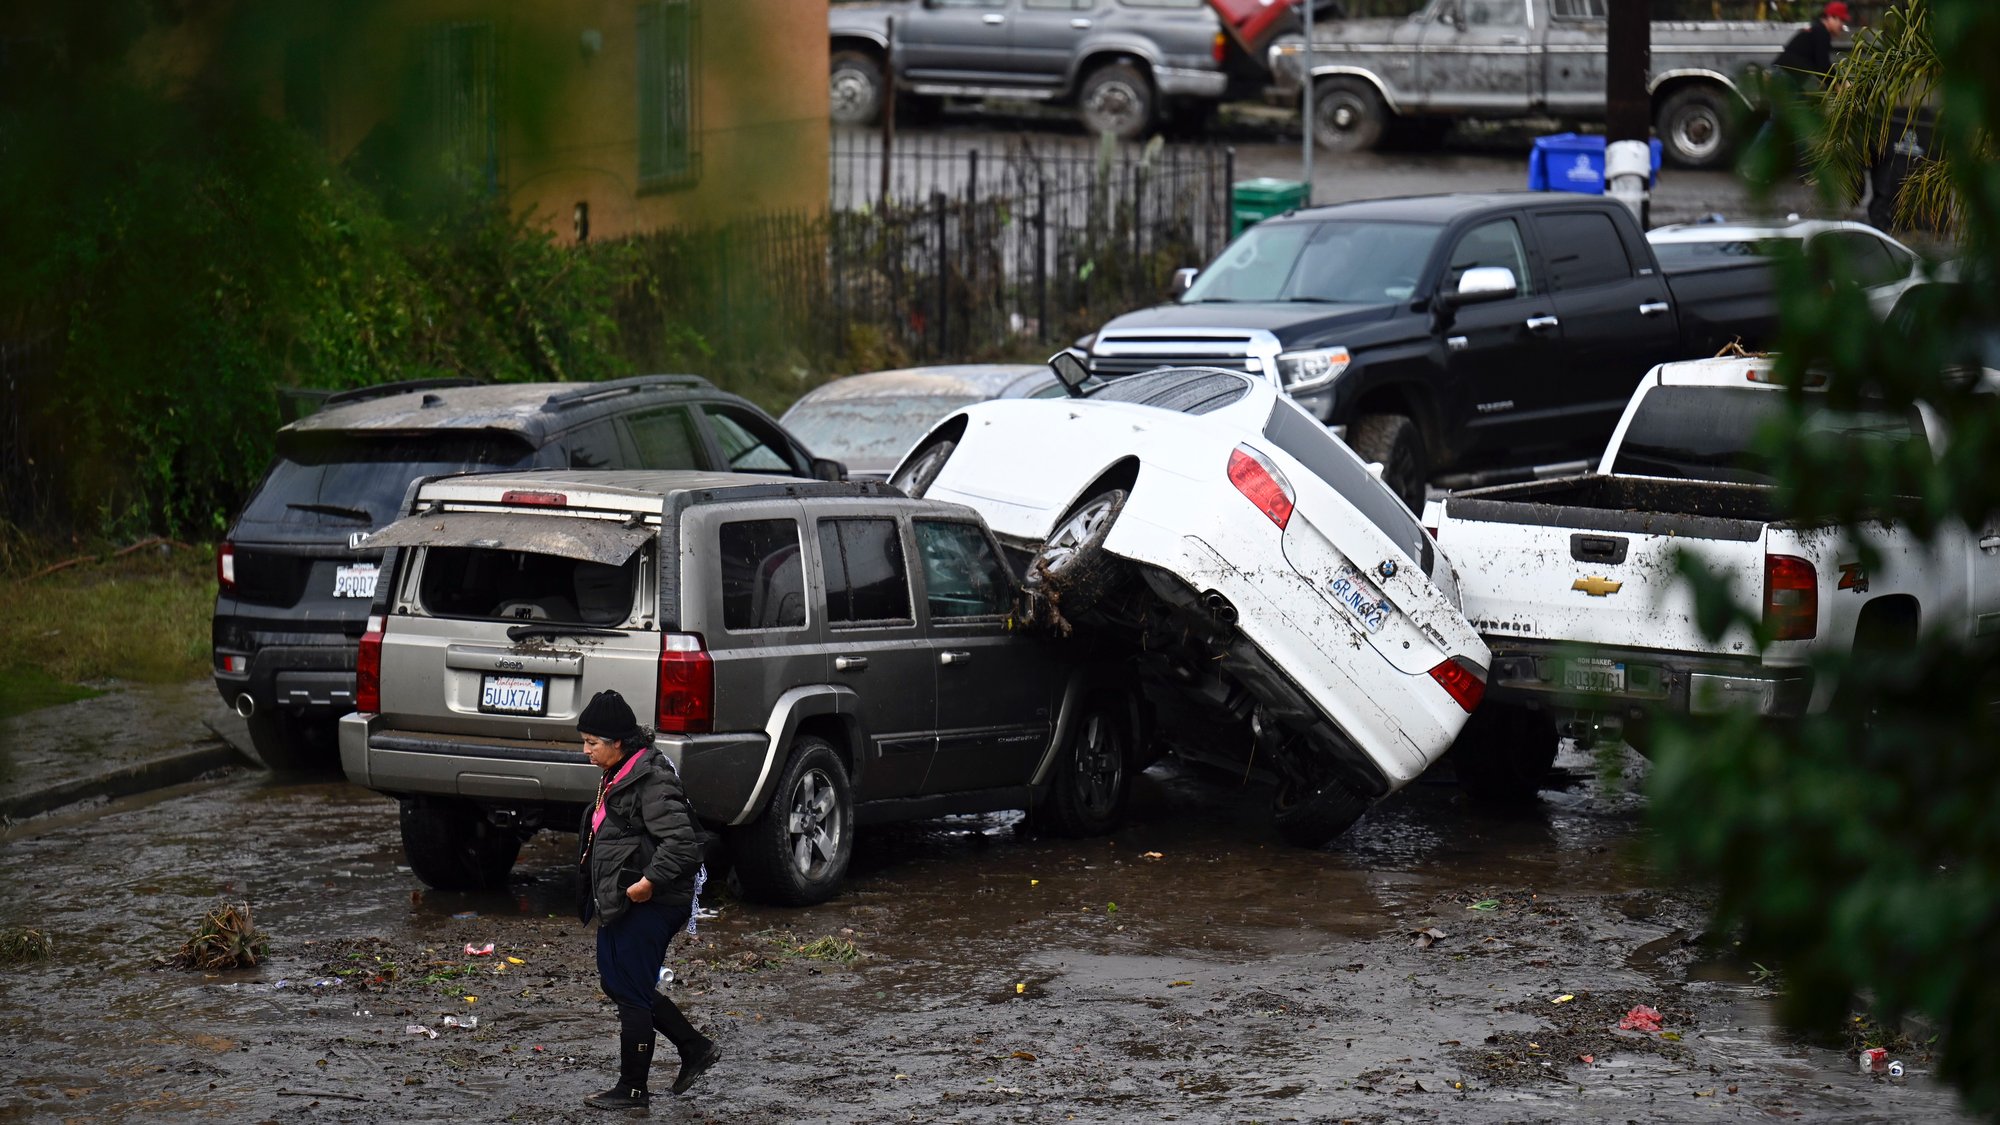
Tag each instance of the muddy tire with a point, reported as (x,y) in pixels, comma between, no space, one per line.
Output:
(916,475)
(288,744)
(452,847)
(1117,99)
(855,89)
(1313,818)
(1093,772)
(1503,754)
(1348,115)
(1073,565)
(1693,126)
(1395,441)
(796,852)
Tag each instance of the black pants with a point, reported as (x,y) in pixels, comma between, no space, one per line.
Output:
(629,954)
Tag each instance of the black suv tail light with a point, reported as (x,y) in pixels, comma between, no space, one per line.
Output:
(686,697)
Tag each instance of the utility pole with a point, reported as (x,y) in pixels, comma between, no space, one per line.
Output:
(1628,158)
(1306,106)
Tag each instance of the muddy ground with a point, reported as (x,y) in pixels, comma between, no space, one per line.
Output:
(1189,968)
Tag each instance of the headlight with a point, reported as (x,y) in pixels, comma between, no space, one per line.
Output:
(1306,371)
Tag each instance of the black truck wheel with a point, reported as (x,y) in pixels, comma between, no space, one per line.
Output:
(1093,772)
(1348,115)
(1503,754)
(1073,563)
(1395,442)
(796,852)
(1693,124)
(855,89)
(452,847)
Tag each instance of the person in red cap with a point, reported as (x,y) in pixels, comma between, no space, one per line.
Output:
(1808,56)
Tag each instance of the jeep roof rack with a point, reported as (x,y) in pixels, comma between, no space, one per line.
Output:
(384,390)
(591,392)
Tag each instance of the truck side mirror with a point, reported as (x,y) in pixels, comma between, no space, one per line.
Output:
(1484,283)
(826,468)
(1184,280)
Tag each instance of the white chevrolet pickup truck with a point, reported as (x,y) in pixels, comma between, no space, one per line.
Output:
(1573,582)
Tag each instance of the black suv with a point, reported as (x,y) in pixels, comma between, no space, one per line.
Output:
(297,575)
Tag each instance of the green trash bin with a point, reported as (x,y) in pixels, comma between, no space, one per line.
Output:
(1253,201)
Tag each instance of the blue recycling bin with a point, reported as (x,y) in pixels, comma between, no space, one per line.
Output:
(1574,162)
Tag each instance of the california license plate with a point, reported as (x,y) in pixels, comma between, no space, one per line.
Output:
(1594,675)
(514,695)
(1359,599)
(356,581)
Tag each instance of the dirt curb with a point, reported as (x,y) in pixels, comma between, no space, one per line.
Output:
(140,777)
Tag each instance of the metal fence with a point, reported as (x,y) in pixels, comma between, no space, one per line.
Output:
(27,371)
(945,248)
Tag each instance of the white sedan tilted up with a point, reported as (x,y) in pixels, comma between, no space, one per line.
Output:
(1290,615)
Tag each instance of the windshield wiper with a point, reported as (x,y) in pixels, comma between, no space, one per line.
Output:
(1316,300)
(523,632)
(334,510)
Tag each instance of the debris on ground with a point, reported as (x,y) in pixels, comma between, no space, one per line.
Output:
(23,944)
(1641,1018)
(479,950)
(1427,937)
(226,939)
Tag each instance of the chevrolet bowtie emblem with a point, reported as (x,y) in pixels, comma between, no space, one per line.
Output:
(1595,586)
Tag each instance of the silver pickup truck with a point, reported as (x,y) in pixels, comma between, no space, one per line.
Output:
(1124,64)
(1498,59)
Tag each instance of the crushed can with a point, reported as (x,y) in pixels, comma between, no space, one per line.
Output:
(1874,1059)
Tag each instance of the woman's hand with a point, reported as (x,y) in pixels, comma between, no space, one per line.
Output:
(641,890)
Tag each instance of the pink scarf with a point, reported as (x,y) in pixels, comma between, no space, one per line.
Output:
(597,819)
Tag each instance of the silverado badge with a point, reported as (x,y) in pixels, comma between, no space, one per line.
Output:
(1596,586)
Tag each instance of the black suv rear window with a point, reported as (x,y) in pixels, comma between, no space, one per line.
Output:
(357,481)
(1182,391)
(525,586)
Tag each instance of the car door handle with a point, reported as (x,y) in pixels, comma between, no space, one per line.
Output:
(1652,308)
(849,663)
(993,19)
(1990,543)
(1537,323)
(1513,40)
(954,658)
(1080,23)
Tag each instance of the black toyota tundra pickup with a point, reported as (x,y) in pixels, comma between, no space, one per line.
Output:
(1477,334)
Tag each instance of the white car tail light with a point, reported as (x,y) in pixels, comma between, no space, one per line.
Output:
(1261,483)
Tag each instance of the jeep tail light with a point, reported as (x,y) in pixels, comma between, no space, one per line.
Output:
(225,567)
(686,699)
(1220,49)
(1463,680)
(1791,598)
(534,499)
(1261,483)
(368,669)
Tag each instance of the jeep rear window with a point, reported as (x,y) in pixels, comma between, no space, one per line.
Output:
(1311,444)
(356,482)
(504,585)
(1182,391)
(865,579)
(1712,433)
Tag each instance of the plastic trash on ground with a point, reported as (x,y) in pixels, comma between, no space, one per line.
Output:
(420,1029)
(1642,1017)
(479,950)
(467,1022)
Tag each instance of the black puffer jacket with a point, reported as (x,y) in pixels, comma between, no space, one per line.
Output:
(649,829)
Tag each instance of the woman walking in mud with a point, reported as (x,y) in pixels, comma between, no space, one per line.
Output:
(638,875)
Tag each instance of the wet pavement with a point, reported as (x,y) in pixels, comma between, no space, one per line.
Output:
(1190,967)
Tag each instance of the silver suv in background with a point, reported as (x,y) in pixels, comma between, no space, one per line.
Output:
(812,655)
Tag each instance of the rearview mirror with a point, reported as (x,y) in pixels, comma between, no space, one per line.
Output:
(1069,368)
(1184,280)
(1484,283)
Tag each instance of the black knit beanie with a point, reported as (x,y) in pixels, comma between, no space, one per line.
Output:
(608,716)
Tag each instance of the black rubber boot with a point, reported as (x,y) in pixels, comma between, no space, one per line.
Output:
(635,1060)
(698,1051)
(694,1063)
